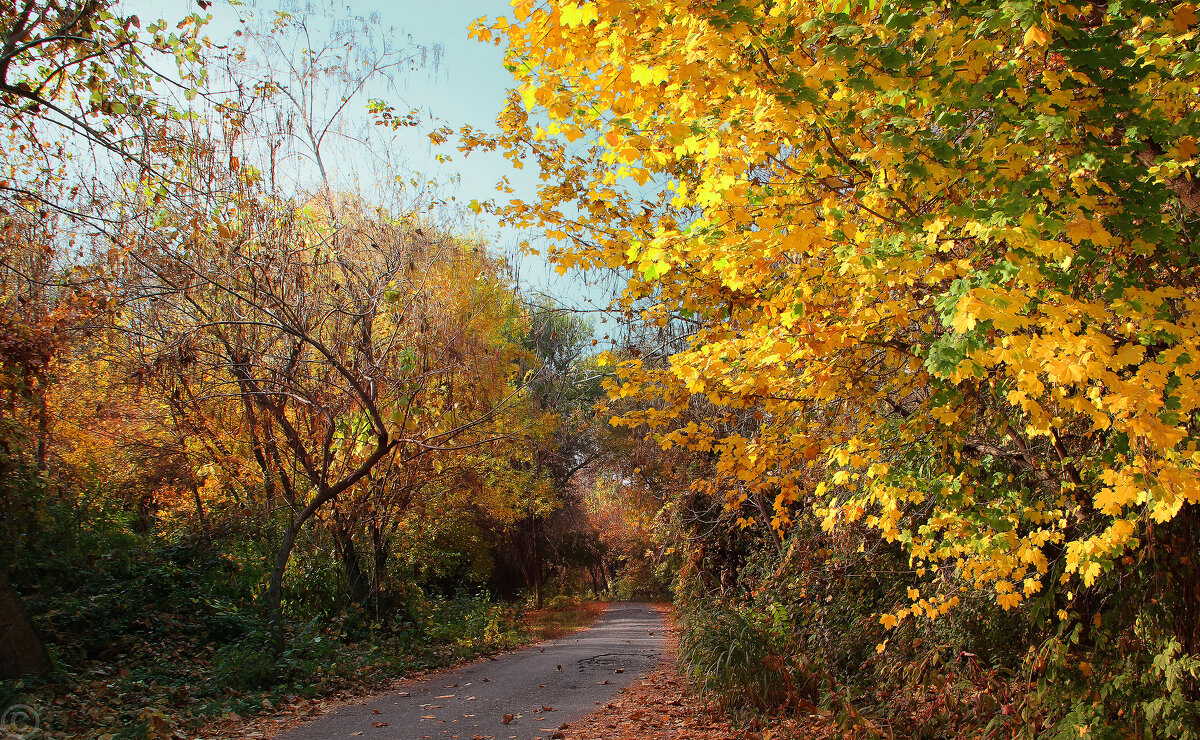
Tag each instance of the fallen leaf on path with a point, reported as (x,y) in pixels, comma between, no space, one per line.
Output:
(508,718)
(379,724)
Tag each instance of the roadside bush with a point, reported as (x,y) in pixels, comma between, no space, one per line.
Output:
(562,601)
(798,628)
(1134,666)
(470,622)
(739,654)
(250,662)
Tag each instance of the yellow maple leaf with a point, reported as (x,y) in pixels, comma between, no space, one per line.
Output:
(1079,229)
(529,96)
(572,14)
(963,321)
(1184,17)
(1008,601)
(644,74)
(1187,147)
(1035,36)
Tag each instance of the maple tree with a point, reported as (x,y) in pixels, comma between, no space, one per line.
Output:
(940,255)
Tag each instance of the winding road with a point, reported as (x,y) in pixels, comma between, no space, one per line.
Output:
(537,690)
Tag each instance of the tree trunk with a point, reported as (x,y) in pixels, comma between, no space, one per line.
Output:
(603,576)
(275,587)
(21,650)
(197,501)
(379,546)
(537,567)
(359,592)
(292,528)
(43,424)
(529,558)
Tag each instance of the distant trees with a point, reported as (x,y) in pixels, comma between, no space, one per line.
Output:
(559,440)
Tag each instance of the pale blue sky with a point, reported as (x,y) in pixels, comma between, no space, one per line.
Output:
(467,86)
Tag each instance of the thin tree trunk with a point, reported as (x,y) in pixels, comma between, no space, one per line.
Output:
(43,423)
(198,502)
(604,579)
(359,592)
(527,555)
(275,587)
(537,566)
(379,545)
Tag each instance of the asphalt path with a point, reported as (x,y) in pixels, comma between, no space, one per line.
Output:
(537,690)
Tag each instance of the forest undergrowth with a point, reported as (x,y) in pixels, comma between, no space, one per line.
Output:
(159,642)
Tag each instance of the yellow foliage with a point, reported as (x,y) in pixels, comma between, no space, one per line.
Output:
(914,245)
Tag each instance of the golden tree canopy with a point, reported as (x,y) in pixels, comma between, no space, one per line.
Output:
(940,253)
